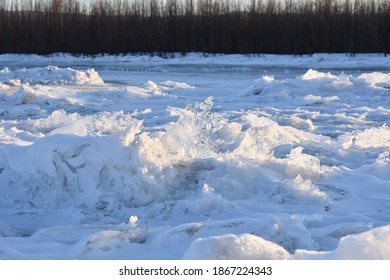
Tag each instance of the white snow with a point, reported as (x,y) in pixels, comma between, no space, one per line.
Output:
(232,247)
(50,75)
(193,157)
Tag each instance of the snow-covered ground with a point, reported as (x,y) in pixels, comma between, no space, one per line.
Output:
(217,157)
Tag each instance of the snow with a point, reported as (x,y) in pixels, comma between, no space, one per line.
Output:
(232,247)
(50,75)
(369,245)
(194,157)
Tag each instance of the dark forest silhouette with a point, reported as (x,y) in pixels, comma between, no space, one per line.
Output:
(210,26)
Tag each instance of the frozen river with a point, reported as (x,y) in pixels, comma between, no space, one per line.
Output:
(217,157)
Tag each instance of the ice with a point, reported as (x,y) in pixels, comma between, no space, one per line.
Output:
(194,157)
(376,79)
(51,75)
(373,244)
(300,189)
(232,247)
(369,245)
(376,137)
(316,75)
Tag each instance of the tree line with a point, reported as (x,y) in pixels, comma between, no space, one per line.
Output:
(209,26)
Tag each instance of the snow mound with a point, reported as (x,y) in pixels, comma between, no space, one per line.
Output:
(300,190)
(51,75)
(79,156)
(373,244)
(376,79)
(376,137)
(316,75)
(233,247)
(26,95)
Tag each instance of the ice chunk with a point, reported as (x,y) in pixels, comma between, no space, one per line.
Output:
(233,247)
(375,137)
(176,85)
(299,163)
(26,95)
(376,79)
(315,75)
(373,244)
(300,189)
(133,219)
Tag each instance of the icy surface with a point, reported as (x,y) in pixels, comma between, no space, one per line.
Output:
(220,157)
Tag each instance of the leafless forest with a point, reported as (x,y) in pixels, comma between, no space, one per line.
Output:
(209,26)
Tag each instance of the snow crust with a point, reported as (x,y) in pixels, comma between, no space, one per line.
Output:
(171,165)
